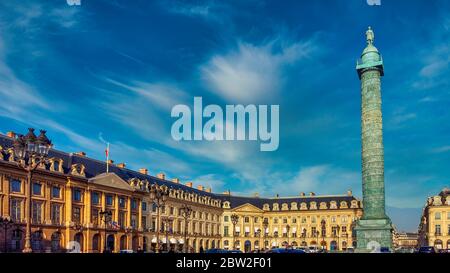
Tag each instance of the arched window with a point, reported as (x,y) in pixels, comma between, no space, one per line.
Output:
(123,242)
(96,243)
(36,241)
(56,242)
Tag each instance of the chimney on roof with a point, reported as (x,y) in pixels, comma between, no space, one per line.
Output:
(189,184)
(349,193)
(256,194)
(143,171)
(161,176)
(200,187)
(110,161)
(312,194)
(302,194)
(176,180)
(11,134)
(83,154)
(228,192)
(208,189)
(121,165)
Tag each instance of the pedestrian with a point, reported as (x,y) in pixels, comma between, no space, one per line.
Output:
(201,249)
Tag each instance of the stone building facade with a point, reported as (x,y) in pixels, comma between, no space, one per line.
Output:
(434,228)
(71,192)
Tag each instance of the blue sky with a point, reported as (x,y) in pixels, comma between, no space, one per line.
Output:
(112,70)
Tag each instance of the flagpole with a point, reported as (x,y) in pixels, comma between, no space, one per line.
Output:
(107,157)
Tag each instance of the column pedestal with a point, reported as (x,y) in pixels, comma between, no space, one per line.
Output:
(373,234)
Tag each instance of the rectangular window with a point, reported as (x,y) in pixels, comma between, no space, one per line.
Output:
(144,222)
(95,217)
(171,211)
(77,195)
(95,198)
(344,229)
(109,200)
(133,204)
(133,221)
(144,206)
(121,219)
(122,202)
(56,192)
(246,219)
(76,214)
(438,229)
(16,210)
(226,218)
(56,214)
(437,216)
(36,212)
(16,185)
(37,188)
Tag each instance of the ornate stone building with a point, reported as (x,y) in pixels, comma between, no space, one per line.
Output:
(76,203)
(303,221)
(434,228)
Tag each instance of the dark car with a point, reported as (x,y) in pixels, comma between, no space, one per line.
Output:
(234,251)
(285,250)
(216,250)
(427,249)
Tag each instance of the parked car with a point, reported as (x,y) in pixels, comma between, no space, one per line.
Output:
(126,251)
(427,249)
(286,250)
(234,251)
(216,250)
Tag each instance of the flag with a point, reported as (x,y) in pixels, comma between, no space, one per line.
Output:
(115,225)
(107,157)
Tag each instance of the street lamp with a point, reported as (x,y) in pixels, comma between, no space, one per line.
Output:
(6,223)
(288,227)
(159,197)
(234,220)
(324,230)
(167,221)
(338,231)
(265,225)
(186,213)
(32,151)
(106,216)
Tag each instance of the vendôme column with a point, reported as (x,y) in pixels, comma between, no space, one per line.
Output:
(373,230)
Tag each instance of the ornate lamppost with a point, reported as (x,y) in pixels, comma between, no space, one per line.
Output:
(323,231)
(288,227)
(31,151)
(338,231)
(167,222)
(265,225)
(106,216)
(6,223)
(234,220)
(186,213)
(159,197)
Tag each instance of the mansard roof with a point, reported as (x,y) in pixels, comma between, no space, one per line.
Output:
(236,201)
(96,169)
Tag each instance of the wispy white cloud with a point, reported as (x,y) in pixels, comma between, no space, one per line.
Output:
(441,149)
(250,72)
